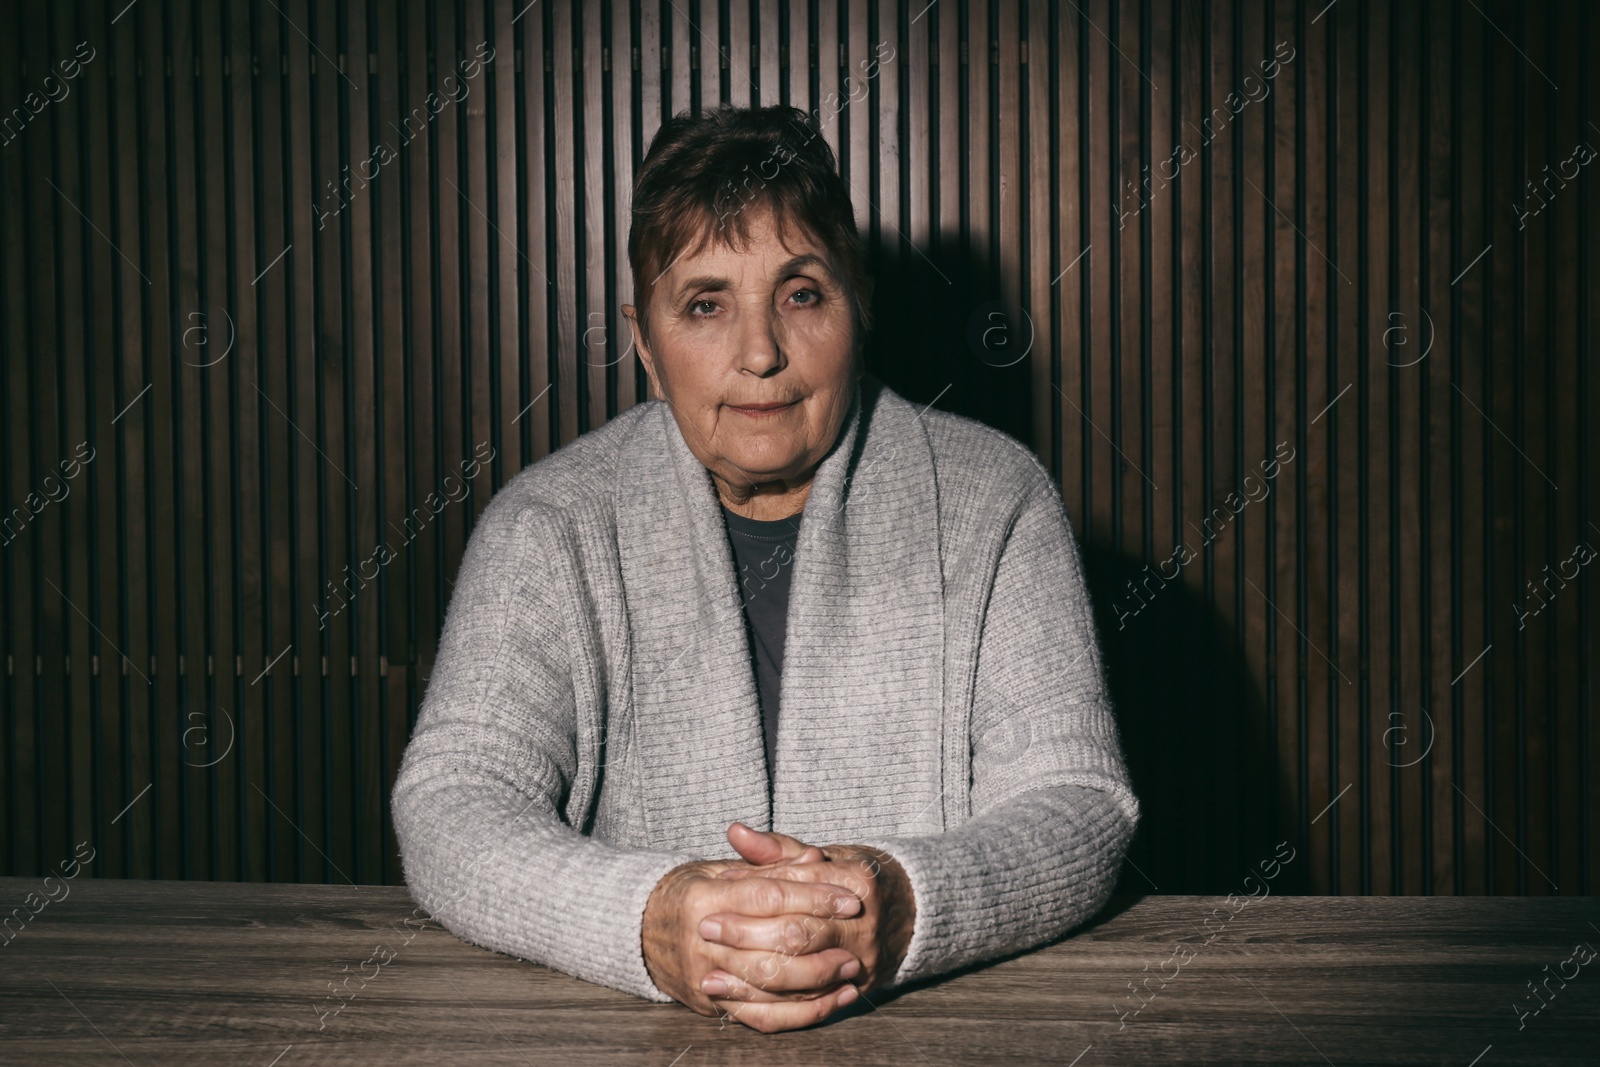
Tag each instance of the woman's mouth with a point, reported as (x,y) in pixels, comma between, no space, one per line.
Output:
(757,411)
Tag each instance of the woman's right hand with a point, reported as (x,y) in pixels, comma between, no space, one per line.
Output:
(804,981)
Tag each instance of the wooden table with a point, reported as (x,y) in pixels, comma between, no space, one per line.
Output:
(173,972)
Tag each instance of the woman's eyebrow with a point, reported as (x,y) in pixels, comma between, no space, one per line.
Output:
(807,263)
(804,264)
(705,283)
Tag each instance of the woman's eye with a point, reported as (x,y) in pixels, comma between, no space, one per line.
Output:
(811,296)
(703,308)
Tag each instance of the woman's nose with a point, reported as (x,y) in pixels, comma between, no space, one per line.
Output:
(760,347)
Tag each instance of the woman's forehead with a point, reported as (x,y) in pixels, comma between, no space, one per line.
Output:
(762,256)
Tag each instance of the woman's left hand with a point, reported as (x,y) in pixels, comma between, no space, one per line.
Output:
(878,936)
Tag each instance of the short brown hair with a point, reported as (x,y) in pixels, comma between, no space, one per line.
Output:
(702,172)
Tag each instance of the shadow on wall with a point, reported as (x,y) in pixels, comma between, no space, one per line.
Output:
(1194,727)
(941,331)
(1195,731)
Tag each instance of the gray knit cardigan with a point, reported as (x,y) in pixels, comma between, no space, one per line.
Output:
(592,719)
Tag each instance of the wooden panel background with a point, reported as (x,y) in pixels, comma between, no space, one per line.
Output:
(1297,299)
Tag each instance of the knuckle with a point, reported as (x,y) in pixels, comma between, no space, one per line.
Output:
(792,936)
(768,895)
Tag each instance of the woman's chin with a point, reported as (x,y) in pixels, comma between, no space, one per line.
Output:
(768,464)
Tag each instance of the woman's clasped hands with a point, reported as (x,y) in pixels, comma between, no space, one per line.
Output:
(784,937)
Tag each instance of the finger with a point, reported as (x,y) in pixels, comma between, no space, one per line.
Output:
(745,869)
(743,974)
(791,934)
(770,1018)
(777,896)
(764,847)
(849,876)
(767,976)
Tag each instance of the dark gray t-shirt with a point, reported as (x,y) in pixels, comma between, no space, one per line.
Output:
(763,558)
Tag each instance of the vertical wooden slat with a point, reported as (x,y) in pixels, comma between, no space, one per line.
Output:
(742,66)
(681,42)
(855,121)
(238,664)
(185,688)
(1044,246)
(626,80)
(801,68)
(1272,619)
(13,470)
(538,355)
(309,567)
(1347,818)
(390,384)
(1307,312)
(480,225)
(53,233)
(1075,234)
(1376,440)
(204,735)
(1438,765)
(917,154)
(274,667)
(357,673)
(592,333)
(1530,413)
(708,57)
(879,68)
(1119,425)
(1469,706)
(1189,85)
(22,532)
(452,185)
(1588,463)
(764,44)
(826,51)
(424,363)
(1223,150)
(98,483)
(75,711)
(1496,401)
(342,328)
(1409,548)
(564,163)
(330,473)
(495,88)
(161,816)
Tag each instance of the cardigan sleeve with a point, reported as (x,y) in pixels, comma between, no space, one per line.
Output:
(478,800)
(1052,809)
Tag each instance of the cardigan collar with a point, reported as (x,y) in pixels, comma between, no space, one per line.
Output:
(864,651)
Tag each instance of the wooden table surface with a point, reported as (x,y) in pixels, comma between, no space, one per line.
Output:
(122,972)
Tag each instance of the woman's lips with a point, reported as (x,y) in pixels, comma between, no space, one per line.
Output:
(757,411)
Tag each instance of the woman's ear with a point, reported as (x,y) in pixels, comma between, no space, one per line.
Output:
(631,313)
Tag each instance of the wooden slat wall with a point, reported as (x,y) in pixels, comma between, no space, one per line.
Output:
(278,346)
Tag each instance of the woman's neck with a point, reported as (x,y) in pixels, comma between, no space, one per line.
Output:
(766,502)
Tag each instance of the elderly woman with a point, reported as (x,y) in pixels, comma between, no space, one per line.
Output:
(775,690)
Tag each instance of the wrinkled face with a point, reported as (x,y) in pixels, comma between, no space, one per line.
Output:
(754,353)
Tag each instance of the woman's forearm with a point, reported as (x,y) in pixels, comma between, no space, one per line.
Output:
(1013,878)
